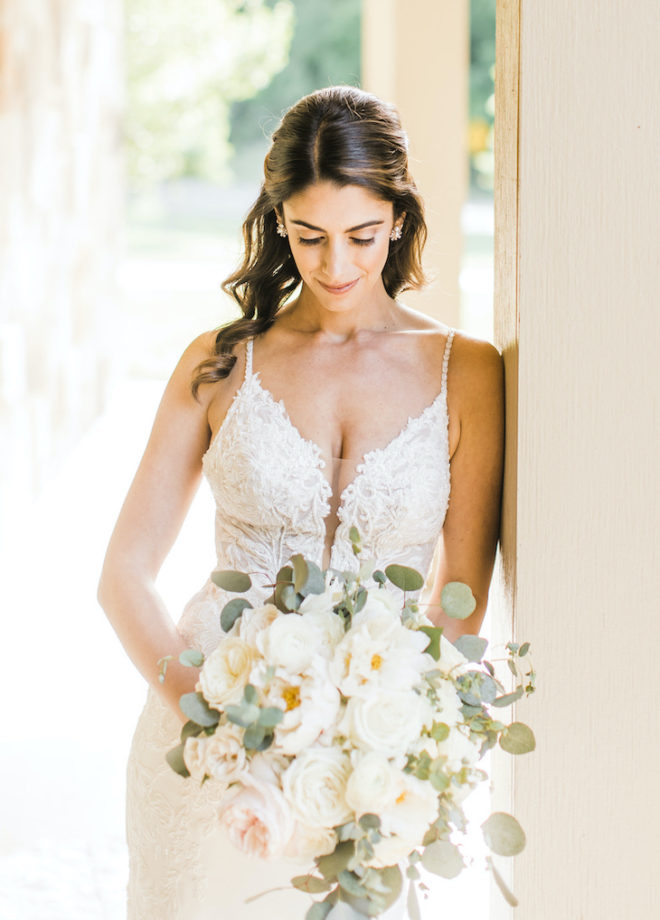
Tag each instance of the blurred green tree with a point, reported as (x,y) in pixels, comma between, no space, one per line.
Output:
(185,64)
(482,88)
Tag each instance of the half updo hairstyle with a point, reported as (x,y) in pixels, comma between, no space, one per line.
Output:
(339,134)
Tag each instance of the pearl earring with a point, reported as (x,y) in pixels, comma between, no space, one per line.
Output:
(396,233)
(281,229)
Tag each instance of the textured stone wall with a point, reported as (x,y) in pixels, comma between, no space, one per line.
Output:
(60,209)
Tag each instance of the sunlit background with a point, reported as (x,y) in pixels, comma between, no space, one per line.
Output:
(132,144)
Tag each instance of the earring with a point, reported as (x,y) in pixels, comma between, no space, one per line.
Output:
(281,229)
(396,233)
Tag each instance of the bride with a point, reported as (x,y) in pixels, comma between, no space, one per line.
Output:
(328,404)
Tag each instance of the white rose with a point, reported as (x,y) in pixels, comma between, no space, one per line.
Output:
(328,629)
(315,787)
(307,842)
(257,818)
(224,754)
(459,750)
(289,642)
(226,672)
(373,785)
(386,721)
(253,620)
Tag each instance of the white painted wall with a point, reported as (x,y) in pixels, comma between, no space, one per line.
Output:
(587,591)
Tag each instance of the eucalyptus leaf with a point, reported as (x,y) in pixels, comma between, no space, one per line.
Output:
(360,598)
(508,698)
(434,633)
(443,858)
(507,894)
(191,658)
(333,863)
(307,576)
(232,611)
(344,911)
(369,821)
(517,738)
(250,694)
(198,710)
(351,883)
(412,903)
(228,580)
(311,884)
(392,879)
(290,598)
(439,731)
(253,736)
(245,714)
(270,717)
(503,834)
(379,577)
(319,911)
(176,761)
(402,576)
(190,730)
(524,648)
(473,647)
(457,600)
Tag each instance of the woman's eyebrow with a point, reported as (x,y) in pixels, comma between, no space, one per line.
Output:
(368,223)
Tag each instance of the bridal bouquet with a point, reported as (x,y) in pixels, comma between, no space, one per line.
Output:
(347,731)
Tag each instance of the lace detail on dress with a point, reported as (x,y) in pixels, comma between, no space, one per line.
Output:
(272,498)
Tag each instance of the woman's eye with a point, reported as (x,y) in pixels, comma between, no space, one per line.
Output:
(360,242)
(309,241)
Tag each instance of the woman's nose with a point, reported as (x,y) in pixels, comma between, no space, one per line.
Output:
(334,260)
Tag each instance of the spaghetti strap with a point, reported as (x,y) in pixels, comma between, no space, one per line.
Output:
(445,359)
(248,358)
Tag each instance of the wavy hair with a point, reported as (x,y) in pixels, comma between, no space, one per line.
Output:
(339,134)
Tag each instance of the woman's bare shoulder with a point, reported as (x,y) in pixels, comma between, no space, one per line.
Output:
(476,370)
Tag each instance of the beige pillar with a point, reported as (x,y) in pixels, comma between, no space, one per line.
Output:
(416,55)
(578,237)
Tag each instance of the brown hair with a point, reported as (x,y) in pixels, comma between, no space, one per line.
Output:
(339,134)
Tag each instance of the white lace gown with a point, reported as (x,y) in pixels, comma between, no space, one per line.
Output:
(272,498)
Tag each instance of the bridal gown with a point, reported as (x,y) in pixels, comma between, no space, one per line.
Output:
(272,500)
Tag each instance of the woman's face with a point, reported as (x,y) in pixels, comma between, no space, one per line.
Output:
(340,239)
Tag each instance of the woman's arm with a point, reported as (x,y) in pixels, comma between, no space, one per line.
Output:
(469,537)
(150,519)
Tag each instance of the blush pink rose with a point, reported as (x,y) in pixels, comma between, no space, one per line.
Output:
(257,818)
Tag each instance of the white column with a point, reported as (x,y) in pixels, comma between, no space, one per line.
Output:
(579,237)
(416,55)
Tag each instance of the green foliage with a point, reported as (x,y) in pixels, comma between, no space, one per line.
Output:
(517,738)
(175,760)
(198,710)
(503,834)
(507,894)
(307,576)
(186,64)
(228,580)
(457,600)
(232,611)
(191,658)
(311,884)
(473,647)
(443,858)
(404,577)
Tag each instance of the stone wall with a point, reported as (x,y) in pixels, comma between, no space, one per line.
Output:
(60,212)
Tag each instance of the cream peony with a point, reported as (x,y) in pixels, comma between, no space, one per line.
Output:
(310,703)
(328,629)
(388,721)
(406,821)
(226,671)
(315,787)
(257,818)
(194,756)
(373,785)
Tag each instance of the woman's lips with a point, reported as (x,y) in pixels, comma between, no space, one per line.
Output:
(339,289)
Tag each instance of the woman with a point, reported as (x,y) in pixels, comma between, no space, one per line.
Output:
(335,407)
